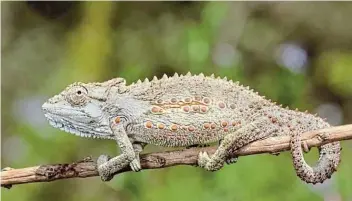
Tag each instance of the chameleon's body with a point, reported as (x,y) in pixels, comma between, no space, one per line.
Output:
(182,111)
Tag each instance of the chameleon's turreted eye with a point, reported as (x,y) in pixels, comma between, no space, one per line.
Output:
(77,95)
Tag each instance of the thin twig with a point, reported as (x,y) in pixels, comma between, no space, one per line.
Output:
(87,167)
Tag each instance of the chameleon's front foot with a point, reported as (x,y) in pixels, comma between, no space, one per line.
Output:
(135,165)
(207,163)
(103,171)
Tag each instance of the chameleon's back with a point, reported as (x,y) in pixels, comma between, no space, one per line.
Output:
(186,110)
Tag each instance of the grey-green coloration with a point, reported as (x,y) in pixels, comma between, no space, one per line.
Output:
(182,111)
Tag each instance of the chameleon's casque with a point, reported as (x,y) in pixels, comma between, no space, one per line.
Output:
(183,111)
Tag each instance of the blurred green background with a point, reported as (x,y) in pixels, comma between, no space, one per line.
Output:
(298,54)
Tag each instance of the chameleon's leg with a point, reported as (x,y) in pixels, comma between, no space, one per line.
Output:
(136,164)
(108,167)
(254,131)
(230,160)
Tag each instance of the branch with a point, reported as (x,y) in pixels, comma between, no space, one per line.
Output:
(87,167)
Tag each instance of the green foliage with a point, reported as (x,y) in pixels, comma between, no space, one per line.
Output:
(336,68)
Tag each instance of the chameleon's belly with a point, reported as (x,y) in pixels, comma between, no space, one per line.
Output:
(180,138)
(179,135)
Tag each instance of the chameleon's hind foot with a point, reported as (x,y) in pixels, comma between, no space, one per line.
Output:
(207,163)
(203,160)
(231,160)
(103,171)
(135,165)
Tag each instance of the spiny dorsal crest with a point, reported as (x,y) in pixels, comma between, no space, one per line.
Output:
(188,74)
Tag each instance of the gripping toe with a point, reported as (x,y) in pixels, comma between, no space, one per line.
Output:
(135,165)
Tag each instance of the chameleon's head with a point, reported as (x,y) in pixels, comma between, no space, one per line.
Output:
(79,109)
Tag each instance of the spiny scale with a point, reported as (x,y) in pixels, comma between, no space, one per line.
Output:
(176,75)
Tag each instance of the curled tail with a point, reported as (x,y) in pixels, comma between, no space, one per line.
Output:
(329,158)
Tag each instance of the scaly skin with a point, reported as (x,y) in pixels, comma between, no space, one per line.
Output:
(183,111)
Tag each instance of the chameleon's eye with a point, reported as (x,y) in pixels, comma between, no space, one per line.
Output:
(77,95)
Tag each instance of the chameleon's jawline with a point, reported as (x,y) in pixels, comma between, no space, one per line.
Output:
(65,126)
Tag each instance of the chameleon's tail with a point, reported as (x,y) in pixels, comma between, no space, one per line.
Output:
(329,158)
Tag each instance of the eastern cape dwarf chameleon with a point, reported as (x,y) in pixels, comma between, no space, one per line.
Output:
(181,111)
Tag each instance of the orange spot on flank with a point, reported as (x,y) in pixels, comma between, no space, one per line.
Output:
(206,100)
(206,125)
(235,123)
(195,108)
(186,108)
(161,126)
(213,126)
(224,123)
(203,109)
(155,109)
(148,124)
(221,105)
(191,128)
(117,120)
(173,127)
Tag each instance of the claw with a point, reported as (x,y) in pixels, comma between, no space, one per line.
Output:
(203,159)
(231,160)
(135,165)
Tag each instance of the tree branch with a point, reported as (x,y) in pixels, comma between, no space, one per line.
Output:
(87,167)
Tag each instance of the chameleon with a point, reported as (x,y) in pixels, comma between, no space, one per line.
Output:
(181,111)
